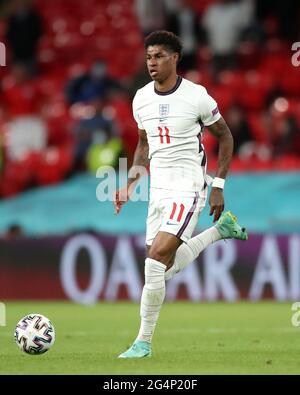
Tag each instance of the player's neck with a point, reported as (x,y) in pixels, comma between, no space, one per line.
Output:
(166,85)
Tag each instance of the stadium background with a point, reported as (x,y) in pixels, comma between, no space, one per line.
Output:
(57,127)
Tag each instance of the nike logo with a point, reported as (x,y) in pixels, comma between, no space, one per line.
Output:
(172,223)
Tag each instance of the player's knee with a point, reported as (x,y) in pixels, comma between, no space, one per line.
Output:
(160,254)
(148,247)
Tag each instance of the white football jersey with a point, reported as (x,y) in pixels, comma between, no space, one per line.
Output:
(173,122)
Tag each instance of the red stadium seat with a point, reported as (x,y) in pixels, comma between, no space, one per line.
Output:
(256,126)
(223,95)
(290,81)
(286,163)
(53,166)
(252,98)
(239,165)
(274,63)
(249,55)
(78,33)
(16,177)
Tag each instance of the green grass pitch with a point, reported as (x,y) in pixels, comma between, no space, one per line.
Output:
(190,338)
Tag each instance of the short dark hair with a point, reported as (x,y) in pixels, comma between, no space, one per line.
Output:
(168,39)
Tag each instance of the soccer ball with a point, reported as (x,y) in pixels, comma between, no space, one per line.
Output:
(34,334)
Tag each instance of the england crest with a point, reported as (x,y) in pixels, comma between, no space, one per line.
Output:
(164,110)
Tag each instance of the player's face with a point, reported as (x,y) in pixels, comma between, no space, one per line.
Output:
(161,62)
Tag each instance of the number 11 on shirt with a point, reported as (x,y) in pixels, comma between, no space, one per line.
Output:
(164,132)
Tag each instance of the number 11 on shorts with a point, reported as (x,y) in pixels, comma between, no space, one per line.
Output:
(181,210)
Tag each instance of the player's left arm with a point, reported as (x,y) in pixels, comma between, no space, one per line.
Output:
(221,131)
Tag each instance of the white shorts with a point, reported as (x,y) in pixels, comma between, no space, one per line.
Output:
(174,212)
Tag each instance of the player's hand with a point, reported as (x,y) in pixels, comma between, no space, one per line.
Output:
(121,196)
(216,202)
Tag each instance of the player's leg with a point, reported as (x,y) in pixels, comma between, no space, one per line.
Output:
(181,217)
(172,258)
(175,214)
(160,253)
(226,228)
(161,249)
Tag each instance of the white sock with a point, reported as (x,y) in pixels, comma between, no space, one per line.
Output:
(189,251)
(152,298)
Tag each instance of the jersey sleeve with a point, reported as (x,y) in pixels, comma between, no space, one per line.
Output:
(135,113)
(209,111)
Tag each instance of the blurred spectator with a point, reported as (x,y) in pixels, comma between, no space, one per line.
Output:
(95,129)
(286,13)
(151,15)
(24,29)
(1,151)
(224,22)
(140,79)
(280,137)
(3,7)
(185,24)
(13,232)
(240,129)
(96,82)
(22,105)
(287,139)
(260,148)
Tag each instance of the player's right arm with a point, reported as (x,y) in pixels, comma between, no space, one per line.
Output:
(141,159)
